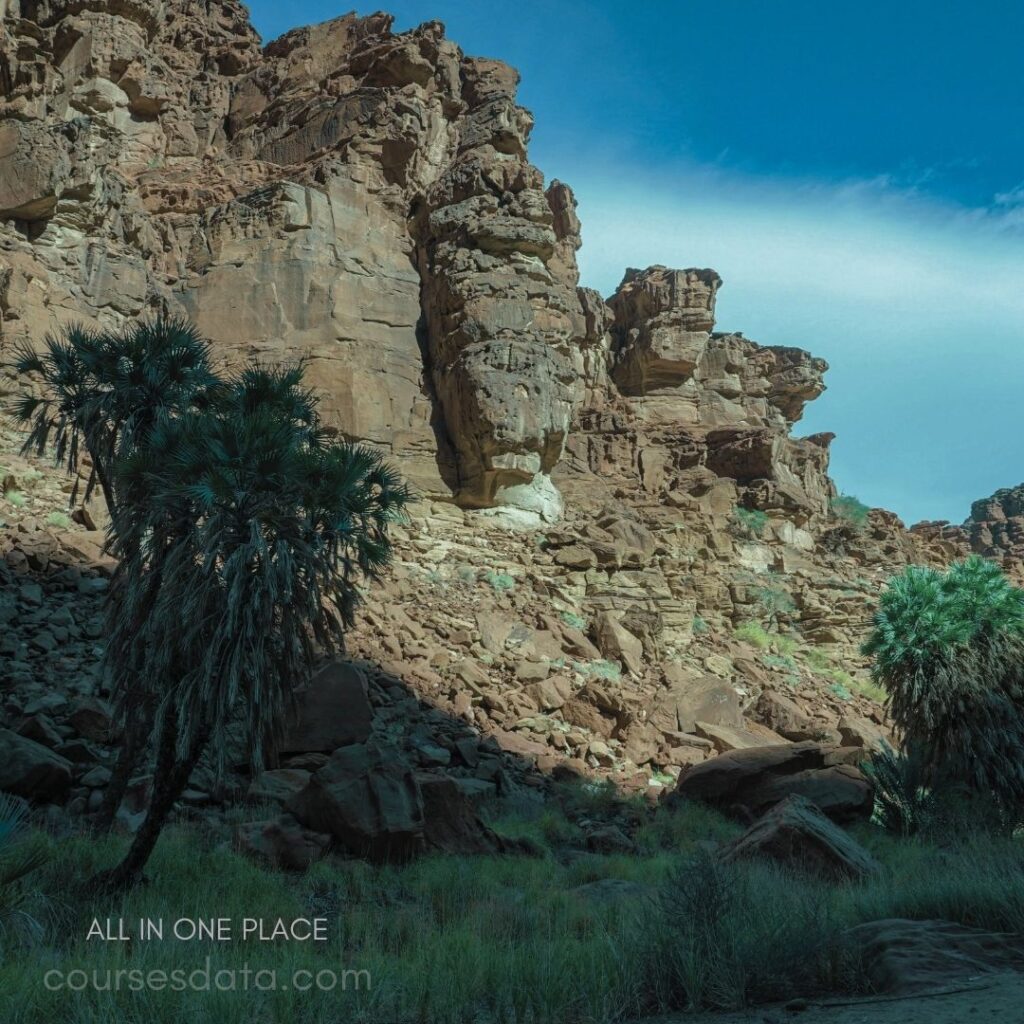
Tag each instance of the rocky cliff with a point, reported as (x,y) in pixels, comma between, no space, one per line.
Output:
(624,557)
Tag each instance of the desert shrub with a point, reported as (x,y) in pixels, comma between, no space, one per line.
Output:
(16,498)
(499,581)
(59,519)
(850,510)
(949,650)
(749,522)
(754,634)
(774,600)
(700,627)
(574,620)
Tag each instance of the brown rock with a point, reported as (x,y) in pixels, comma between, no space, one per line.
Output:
(333,711)
(368,799)
(31,770)
(750,781)
(796,833)
(616,643)
(282,843)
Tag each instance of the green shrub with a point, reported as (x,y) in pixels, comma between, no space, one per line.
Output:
(753,633)
(576,621)
(749,522)
(774,600)
(16,498)
(850,510)
(700,627)
(499,581)
(729,935)
(949,650)
(59,519)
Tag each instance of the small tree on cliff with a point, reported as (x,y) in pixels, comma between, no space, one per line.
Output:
(243,531)
(949,649)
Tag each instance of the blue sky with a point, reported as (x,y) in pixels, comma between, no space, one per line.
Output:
(855,172)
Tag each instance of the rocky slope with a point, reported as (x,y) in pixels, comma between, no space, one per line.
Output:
(623,559)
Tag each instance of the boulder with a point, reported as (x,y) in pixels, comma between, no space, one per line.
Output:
(727,738)
(277,784)
(368,799)
(903,957)
(450,823)
(31,770)
(616,643)
(784,716)
(795,832)
(282,843)
(92,718)
(332,711)
(862,732)
(692,698)
(748,782)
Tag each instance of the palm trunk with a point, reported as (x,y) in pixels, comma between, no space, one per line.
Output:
(137,731)
(169,781)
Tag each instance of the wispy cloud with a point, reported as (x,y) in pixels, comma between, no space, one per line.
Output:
(917,304)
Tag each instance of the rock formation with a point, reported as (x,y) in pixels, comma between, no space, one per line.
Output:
(348,195)
(624,563)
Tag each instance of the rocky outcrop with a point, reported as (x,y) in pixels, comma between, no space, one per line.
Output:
(625,563)
(996,527)
(348,195)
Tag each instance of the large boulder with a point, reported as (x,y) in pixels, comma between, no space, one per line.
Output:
(282,843)
(450,823)
(748,782)
(31,770)
(333,711)
(795,832)
(616,643)
(694,698)
(368,799)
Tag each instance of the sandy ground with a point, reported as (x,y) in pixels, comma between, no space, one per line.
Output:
(998,999)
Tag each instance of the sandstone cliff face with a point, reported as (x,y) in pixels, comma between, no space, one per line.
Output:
(356,197)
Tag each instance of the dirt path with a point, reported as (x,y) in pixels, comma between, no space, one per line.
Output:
(999,999)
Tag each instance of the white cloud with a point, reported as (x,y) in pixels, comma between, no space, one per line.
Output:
(918,305)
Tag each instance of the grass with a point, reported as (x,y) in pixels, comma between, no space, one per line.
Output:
(700,627)
(492,939)
(58,519)
(16,498)
(850,510)
(757,636)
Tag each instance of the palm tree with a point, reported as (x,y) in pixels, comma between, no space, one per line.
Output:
(103,391)
(243,532)
(949,649)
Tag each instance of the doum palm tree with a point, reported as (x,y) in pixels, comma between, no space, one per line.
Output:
(242,531)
